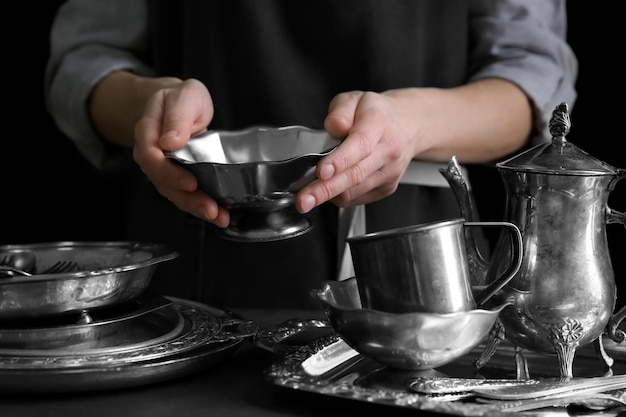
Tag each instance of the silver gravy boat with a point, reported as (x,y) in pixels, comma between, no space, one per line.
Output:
(564,294)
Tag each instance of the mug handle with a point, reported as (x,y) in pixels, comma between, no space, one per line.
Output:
(514,266)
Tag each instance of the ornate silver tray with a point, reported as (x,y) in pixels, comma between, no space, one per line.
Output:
(207,337)
(329,367)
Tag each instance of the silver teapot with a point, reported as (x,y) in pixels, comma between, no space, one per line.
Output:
(564,294)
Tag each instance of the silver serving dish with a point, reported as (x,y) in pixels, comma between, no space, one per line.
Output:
(104,273)
(256,173)
(407,341)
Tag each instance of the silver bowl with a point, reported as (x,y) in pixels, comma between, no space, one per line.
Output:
(104,274)
(255,173)
(407,341)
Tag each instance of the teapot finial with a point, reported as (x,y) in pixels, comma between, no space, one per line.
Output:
(560,123)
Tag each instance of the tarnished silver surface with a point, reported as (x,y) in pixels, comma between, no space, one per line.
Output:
(256,173)
(613,403)
(371,382)
(554,388)
(565,292)
(209,335)
(201,327)
(7,269)
(107,273)
(424,267)
(425,385)
(291,333)
(412,341)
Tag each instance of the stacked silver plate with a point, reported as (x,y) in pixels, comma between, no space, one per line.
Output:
(95,327)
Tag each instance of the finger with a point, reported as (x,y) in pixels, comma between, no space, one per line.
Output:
(338,123)
(153,162)
(320,191)
(341,111)
(374,188)
(187,109)
(353,160)
(180,111)
(365,133)
(198,204)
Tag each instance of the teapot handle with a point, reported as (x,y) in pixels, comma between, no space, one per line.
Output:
(612,328)
(614,216)
(514,266)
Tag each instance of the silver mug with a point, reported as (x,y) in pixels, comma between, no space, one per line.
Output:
(424,268)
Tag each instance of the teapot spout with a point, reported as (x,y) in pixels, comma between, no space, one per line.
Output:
(454,176)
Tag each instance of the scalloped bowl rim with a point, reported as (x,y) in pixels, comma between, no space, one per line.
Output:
(158,253)
(349,282)
(210,134)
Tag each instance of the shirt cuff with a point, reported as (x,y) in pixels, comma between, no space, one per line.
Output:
(68,100)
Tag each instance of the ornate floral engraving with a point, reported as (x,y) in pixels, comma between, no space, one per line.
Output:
(565,338)
(202,327)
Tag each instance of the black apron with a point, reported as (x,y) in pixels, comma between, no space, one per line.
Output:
(278,63)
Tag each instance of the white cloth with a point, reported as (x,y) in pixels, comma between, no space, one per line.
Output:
(352,219)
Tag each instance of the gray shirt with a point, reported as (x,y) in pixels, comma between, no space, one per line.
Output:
(522,41)
(280,62)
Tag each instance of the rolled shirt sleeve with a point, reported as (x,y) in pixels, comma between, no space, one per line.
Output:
(90,39)
(524,41)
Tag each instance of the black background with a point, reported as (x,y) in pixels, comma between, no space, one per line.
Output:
(49,192)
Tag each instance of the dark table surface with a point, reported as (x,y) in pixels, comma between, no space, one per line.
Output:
(235,386)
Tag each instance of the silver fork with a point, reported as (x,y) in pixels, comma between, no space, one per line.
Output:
(60,267)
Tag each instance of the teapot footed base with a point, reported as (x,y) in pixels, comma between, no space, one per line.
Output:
(564,353)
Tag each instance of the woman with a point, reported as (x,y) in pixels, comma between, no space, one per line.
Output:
(406,84)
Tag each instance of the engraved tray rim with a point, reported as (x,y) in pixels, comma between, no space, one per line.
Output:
(289,373)
(194,350)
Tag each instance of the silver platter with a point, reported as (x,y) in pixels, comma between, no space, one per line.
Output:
(146,320)
(209,335)
(360,378)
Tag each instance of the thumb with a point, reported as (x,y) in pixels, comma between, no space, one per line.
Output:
(187,109)
(341,110)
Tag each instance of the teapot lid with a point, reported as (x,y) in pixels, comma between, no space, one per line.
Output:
(559,156)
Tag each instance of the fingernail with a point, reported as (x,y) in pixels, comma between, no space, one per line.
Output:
(308,202)
(327,171)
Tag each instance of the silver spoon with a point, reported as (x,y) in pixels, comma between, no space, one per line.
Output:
(18,262)
(56,268)
(7,271)
(601,401)
(596,401)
